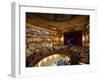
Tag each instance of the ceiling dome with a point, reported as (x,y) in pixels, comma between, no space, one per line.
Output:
(58,22)
(56,17)
(53,17)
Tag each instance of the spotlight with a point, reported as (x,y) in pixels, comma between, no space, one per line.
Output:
(45,60)
(50,57)
(55,55)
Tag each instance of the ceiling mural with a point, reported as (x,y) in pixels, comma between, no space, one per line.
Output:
(58,22)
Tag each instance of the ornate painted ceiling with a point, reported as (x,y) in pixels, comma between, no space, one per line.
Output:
(58,22)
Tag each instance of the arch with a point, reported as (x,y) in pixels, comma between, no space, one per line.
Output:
(39,57)
(52,60)
(73,52)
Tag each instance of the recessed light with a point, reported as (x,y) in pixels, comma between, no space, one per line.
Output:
(55,55)
(50,57)
(45,60)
